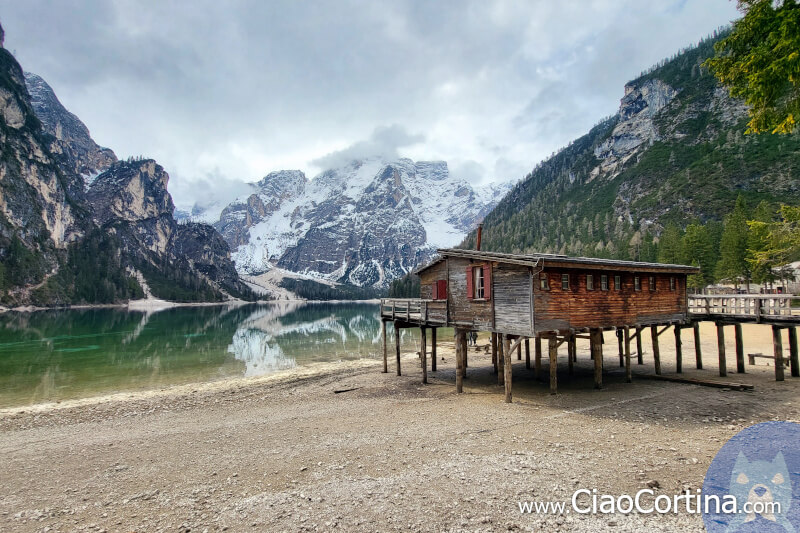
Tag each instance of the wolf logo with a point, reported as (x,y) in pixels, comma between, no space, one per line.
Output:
(766,486)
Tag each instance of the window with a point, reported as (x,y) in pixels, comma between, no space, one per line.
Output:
(617,283)
(589,282)
(604,282)
(564,282)
(637,283)
(672,284)
(479,282)
(440,290)
(544,284)
(652,283)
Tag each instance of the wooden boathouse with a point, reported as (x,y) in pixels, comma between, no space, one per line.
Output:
(541,296)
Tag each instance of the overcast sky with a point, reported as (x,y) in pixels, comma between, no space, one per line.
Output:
(221,92)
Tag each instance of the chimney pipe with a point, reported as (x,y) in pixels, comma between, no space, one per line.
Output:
(478,243)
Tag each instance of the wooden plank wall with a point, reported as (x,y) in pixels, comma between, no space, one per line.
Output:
(556,309)
(512,299)
(462,310)
(431,276)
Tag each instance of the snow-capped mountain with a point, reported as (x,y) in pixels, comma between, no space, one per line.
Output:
(366,223)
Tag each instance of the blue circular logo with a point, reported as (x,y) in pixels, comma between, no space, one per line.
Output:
(753,483)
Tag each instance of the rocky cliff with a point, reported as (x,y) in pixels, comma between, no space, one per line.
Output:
(70,136)
(42,206)
(364,224)
(675,152)
(60,243)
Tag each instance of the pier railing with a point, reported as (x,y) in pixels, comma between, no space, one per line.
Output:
(755,307)
(414,310)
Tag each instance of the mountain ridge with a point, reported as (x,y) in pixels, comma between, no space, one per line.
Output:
(674,152)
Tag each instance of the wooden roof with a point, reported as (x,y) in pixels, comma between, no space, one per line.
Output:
(561,261)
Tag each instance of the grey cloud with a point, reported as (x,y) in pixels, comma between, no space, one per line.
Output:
(247,87)
(384,142)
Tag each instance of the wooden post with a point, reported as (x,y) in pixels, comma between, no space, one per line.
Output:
(433,349)
(739,348)
(723,369)
(656,350)
(423,352)
(397,345)
(698,353)
(627,335)
(777,343)
(621,348)
(678,349)
(537,359)
(571,352)
(500,360)
(383,336)
(494,351)
(519,352)
(793,359)
(552,344)
(597,353)
(528,354)
(507,366)
(461,346)
(639,353)
(466,350)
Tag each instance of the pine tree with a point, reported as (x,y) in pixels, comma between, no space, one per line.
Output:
(733,263)
(697,249)
(670,245)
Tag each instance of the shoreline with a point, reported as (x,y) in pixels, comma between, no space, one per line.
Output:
(154,305)
(219,386)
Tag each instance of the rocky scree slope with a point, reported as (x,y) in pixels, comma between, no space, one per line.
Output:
(674,152)
(365,224)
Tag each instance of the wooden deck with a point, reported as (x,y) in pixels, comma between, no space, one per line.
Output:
(415,311)
(755,308)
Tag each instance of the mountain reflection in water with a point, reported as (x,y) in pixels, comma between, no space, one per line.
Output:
(62,354)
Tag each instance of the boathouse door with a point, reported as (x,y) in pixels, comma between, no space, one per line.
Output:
(512,299)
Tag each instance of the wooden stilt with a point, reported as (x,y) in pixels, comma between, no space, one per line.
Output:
(571,349)
(528,354)
(678,350)
(494,351)
(621,348)
(461,347)
(627,335)
(656,350)
(597,352)
(397,345)
(777,343)
(537,358)
(433,349)
(793,359)
(466,351)
(639,352)
(698,352)
(723,369)
(423,349)
(385,357)
(552,344)
(500,360)
(739,348)
(519,352)
(507,366)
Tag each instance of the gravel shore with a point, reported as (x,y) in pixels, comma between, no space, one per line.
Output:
(288,453)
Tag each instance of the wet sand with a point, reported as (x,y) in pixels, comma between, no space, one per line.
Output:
(287,453)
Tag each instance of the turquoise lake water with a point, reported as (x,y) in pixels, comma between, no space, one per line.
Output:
(67,354)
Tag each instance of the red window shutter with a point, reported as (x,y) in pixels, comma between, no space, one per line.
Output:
(487,281)
(470,289)
(435,294)
(443,289)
